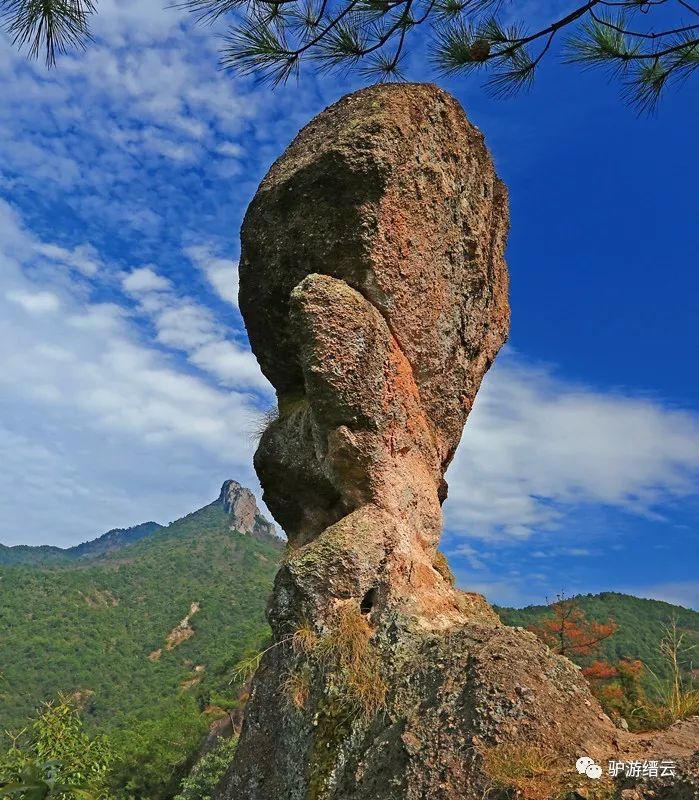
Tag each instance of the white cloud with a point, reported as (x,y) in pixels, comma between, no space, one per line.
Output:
(536,447)
(35,302)
(230,364)
(158,109)
(221,273)
(186,325)
(100,426)
(230,150)
(82,258)
(143,280)
(470,554)
(159,156)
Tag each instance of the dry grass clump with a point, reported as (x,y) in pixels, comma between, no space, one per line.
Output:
(297,687)
(304,639)
(346,662)
(440,563)
(678,699)
(288,407)
(527,768)
(348,641)
(351,662)
(260,422)
(532,773)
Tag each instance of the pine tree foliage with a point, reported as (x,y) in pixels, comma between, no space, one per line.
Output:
(48,26)
(646,44)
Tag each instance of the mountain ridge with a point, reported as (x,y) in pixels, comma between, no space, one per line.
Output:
(110,625)
(236,500)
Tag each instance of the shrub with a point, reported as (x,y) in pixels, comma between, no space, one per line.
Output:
(55,758)
(208,772)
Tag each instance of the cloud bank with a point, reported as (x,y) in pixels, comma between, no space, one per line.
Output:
(537,446)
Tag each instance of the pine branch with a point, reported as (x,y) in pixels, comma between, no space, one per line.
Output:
(258,47)
(514,73)
(54,26)
(344,45)
(271,38)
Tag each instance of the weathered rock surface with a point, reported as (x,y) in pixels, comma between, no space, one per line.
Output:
(246,517)
(374,289)
(378,236)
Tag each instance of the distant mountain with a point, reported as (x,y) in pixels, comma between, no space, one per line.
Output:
(106,543)
(139,618)
(25,554)
(113,540)
(237,501)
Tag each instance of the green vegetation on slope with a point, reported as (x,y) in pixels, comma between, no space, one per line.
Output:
(99,627)
(641,626)
(56,760)
(144,632)
(34,556)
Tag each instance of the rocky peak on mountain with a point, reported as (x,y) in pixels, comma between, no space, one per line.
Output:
(240,503)
(236,500)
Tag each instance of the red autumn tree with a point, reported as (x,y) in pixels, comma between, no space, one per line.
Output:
(568,631)
(600,671)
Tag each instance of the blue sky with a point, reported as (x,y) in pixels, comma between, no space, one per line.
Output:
(128,391)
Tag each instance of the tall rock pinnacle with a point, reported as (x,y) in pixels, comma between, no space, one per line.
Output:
(374,290)
(240,504)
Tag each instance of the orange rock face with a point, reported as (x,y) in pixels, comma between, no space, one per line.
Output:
(374,290)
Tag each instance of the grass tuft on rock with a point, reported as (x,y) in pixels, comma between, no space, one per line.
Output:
(530,772)
(351,662)
(297,687)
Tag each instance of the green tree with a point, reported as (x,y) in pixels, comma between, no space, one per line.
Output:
(55,758)
(646,44)
(154,754)
(208,772)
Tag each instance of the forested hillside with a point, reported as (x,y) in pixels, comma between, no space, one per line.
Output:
(641,625)
(108,542)
(107,627)
(144,628)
